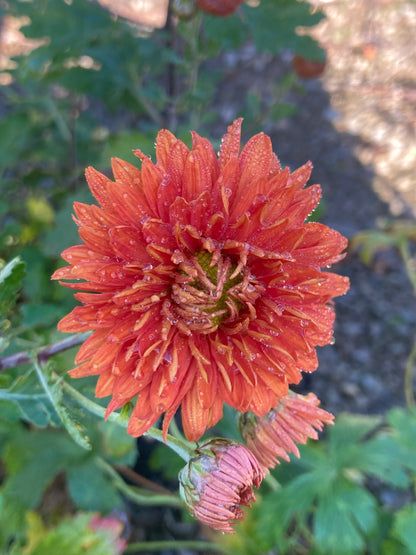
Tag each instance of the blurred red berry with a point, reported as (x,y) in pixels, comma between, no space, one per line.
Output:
(307,69)
(221,8)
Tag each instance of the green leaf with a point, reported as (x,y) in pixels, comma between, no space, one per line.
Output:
(90,489)
(405,529)
(77,535)
(65,233)
(117,445)
(372,241)
(343,516)
(380,457)
(351,428)
(32,460)
(273,25)
(54,393)
(121,144)
(11,276)
(403,422)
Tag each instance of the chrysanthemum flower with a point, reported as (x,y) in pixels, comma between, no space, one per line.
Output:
(295,419)
(220,8)
(202,282)
(218,481)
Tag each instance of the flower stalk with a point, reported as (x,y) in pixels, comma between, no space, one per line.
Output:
(182,447)
(135,494)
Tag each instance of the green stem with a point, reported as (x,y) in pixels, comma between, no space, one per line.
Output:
(175,545)
(409,376)
(46,388)
(134,494)
(271,481)
(10,396)
(183,448)
(174,430)
(408,262)
(197,57)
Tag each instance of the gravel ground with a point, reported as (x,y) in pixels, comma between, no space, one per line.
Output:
(357,125)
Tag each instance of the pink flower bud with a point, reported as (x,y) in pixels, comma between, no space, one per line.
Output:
(218,481)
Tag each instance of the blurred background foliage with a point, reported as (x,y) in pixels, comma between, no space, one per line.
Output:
(91,86)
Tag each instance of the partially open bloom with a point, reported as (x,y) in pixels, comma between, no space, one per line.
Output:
(218,481)
(221,8)
(202,282)
(295,419)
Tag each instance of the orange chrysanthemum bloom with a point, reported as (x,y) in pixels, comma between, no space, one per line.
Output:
(295,419)
(220,8)
(202,282)
(218,481)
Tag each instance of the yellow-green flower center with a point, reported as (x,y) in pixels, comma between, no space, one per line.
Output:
(211,291)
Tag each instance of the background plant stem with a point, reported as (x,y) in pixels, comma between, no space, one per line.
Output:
(158,546)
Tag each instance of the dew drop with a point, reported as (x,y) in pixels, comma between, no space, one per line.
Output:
(160,407)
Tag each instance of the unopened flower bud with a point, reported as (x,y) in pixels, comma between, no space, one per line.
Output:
(295,419)
(218,481)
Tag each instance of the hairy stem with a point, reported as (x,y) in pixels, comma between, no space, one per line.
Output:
(183,448)
(44,353)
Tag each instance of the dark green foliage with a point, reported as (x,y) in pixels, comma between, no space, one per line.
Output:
(325,500)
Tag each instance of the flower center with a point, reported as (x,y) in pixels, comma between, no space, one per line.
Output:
(211,291)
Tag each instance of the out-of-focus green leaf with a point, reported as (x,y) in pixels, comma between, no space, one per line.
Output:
(379,457)
(120,145)
(165,461)
(372,241)
(32,460)
(117,444)
(11,276)
(347,432)
(90,489)
(273,25)
(403,423)
(405,529)
(75,536)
